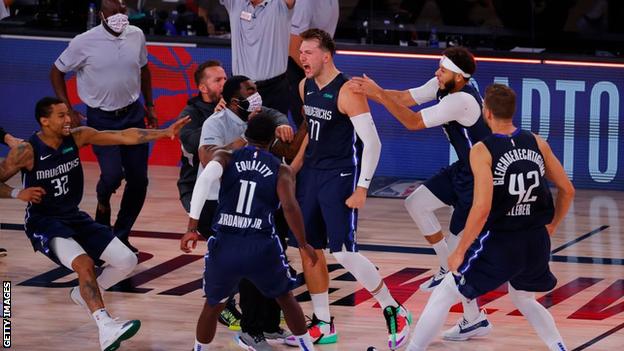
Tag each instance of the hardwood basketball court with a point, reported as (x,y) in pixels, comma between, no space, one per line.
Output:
(164,291)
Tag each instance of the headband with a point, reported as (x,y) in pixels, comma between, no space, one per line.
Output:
(451,66)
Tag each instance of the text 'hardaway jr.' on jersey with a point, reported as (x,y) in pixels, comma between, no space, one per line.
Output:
(521,199)
(333,142)
(461,137)
(59,172)
(248,195)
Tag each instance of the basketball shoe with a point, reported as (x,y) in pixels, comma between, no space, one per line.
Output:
(398,321)
(434,281)
(321,332)
(465,329)
(115,331)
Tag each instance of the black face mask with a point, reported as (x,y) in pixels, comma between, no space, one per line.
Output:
(242,112)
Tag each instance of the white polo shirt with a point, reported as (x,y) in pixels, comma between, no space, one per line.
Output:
(108,67)
(322,14)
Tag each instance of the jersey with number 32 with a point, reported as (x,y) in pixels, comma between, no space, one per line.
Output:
(59,172)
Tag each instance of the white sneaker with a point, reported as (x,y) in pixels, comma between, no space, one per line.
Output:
(114,332)
(465,330)
(434,281)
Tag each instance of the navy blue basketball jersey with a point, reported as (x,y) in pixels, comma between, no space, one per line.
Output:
(461,137)
(522,199)
(248,195)
(59,172)
(333,142)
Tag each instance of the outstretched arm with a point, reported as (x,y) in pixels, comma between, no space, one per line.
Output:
(481,164)
(131,136)
(396,102)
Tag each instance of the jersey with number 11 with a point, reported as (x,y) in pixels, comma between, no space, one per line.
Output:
(59,172)
(248,194)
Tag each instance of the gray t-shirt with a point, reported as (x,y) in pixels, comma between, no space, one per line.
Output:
(322,14)
(108,67)
(260,37)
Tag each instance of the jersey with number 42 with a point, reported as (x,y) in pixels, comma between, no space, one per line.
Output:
(248,195)
(59,172)
(521,199)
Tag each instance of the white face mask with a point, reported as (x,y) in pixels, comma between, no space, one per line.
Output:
(117,22)
(255,102)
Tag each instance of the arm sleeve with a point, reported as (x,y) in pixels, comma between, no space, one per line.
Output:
(72,58)
(460,107)
(211,133)
(426,92)
(365,128)
(204,183)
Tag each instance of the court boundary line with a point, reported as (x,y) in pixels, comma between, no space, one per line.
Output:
(580,238)
(600,337)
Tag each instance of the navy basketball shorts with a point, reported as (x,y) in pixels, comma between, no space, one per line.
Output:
(258,258)
(93,237)
(453,185)
(520,258)
(322,195)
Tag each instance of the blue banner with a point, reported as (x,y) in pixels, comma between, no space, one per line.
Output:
(577,109)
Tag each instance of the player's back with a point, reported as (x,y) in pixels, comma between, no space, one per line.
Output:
(521,200)
(248,195)
(333,142)
(461,137)
(59,172)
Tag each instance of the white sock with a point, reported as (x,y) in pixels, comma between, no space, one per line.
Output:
(384,298)
(538,316)
(200,347)
(434,314)
(320,305)
(101,317)
(471,309)
(452,241)
(442,250)
(304,342)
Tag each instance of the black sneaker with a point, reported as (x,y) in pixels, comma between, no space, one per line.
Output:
(3,252)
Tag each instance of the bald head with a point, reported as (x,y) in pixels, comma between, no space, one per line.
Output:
(111,7)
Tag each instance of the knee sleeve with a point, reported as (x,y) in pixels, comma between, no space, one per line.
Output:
(522,299)
(420,205)
(66,249)
(119,256)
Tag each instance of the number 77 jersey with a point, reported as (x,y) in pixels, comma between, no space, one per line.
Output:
(248,194)
(521,198)
(59,172)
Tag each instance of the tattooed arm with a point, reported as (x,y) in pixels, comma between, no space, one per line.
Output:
(19,157)
(131,136)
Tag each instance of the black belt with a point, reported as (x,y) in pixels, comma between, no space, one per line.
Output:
(271,80)
(118,112)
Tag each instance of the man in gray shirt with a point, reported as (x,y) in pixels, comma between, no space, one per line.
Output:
(260,34)
(225,130)
(110,61)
